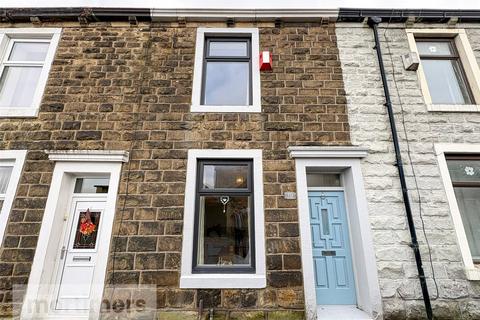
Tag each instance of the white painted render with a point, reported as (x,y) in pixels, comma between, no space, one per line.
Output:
(457,296)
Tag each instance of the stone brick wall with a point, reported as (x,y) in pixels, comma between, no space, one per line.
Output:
(456,298)
(115,86)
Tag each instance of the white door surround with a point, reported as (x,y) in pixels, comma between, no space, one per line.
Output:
(345,160)
(70,164)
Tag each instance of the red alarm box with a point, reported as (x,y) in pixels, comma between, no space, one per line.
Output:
(265,61)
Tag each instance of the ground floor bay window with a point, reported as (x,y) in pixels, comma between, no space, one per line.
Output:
(223,245)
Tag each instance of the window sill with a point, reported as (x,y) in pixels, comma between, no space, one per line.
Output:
(225,109)
(472,274)
(223,281)
(18,113)
(453,107)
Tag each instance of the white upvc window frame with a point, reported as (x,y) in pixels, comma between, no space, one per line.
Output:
(16,158)
(223,280)
(202,33)
(441,149)
(7,38)
(467,59)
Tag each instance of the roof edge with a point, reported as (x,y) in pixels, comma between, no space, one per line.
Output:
(244,14)
(402,15)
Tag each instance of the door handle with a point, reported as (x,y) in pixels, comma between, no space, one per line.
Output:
(329,253)
(62,253)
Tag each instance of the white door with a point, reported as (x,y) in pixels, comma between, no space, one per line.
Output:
(78,256)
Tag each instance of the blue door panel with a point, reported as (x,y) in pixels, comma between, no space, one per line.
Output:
(321,270)
(334,279)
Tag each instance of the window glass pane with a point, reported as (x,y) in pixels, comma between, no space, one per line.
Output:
(325,223)
(228,49)
(323,180)
(431,48)
(445,83)
(224,231)
(28,51)
(5,173)
(464,170)
(18,85)
(87,229)
(91,185)
(225,176)
(227,83)
(468,200)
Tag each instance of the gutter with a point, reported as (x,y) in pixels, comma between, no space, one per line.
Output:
(95,14)
(373,23)
(403,15)
(84,15)
(244,14)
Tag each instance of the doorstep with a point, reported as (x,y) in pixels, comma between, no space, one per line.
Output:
(343,312)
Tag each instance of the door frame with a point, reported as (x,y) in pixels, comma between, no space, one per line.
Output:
(347,161)
(69,165)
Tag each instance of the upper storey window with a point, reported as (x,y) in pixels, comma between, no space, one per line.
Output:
(26,56)
(444,72)
(226,76)
(449,74)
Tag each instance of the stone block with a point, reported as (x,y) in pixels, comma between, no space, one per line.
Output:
(286,315)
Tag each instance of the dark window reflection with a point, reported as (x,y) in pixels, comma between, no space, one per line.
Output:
(225,176)
(224,231)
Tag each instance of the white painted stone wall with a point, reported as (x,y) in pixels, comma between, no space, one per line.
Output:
(457,297)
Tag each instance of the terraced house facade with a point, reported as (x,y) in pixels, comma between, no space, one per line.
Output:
(168,164)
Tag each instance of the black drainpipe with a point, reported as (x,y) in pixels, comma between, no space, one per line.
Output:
(373,23)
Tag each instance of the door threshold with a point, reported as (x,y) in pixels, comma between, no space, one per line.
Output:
(344,312)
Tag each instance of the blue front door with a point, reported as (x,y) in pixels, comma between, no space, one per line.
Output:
(332,259)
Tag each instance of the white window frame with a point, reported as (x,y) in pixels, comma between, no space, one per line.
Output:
(472,272)
(17,159)
(467,59)
(7,38)
(223,280)
(198,70)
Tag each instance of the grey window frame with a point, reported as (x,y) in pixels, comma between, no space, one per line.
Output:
(469,99)
(463,184)
(207,58)
(200,191)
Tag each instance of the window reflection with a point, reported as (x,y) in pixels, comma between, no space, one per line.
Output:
(91,185)
(224,231)
(225,176)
